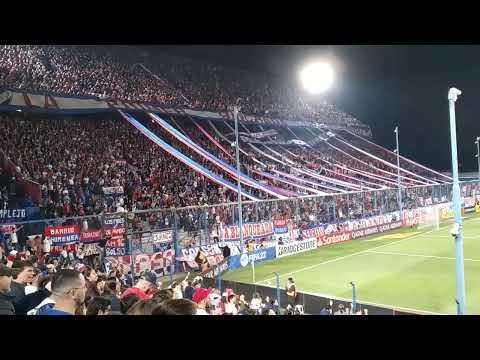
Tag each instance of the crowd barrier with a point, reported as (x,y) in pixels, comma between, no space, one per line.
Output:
(196,238)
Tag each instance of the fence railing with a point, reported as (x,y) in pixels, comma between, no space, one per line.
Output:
(202,225)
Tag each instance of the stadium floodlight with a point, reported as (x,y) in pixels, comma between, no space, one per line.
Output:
(477,142)
(317,77)
(457,229)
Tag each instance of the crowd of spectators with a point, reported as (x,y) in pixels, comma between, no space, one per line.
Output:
(163,79)
(72,166)
(30,286)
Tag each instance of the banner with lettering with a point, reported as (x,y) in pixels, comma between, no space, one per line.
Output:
(63,235)
(114,225)
(250,231)
(162,240)
(280,226)
(91,236)
(8,215)
(212,253)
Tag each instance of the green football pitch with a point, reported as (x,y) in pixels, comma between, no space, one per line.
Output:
(409,269)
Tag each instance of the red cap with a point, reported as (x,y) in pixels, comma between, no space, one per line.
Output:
(201,294)
(135,291)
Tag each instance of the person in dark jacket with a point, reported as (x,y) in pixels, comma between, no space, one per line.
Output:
(112,292)
(32,300)
(24,274)
(6,305)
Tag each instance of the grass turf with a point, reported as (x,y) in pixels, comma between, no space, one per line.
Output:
(407,268)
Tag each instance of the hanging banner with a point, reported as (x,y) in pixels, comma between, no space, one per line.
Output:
(19,214)
(280,226)
(91,236)
(158,262)
(250,231)
(212,253)
(63,235)
(114,225)
(162,240)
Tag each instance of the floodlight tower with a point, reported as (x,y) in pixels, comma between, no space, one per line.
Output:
(397,150)
(456,231)
(477,142)
(236,109)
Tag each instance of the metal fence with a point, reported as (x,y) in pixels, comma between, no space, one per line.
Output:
(202,225)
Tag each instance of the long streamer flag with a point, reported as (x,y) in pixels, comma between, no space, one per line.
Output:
(212,139)
(178,155)
(213,159)
(401,157)
(262,174)
(393,166)
(386,179)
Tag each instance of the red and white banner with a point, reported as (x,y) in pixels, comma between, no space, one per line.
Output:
(144,262)
(62,235)
(162,237)
(213,254)
(250,231)
(90,236)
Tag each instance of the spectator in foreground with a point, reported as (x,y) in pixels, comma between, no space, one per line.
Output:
(99,305)
(201,298)
(143,287)
(68,292)
(25,275)
(112,292)
(143,307)
(127,302)
(163,295)
(32,300)
(176,307)
(6,305)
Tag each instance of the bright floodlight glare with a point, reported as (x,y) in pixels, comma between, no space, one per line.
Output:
(317,77)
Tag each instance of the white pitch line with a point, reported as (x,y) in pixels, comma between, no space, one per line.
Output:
(346,256)
(361,302)
(416,255)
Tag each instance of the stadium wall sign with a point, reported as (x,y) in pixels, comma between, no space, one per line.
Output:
(356,234)
(257,256)
(295,247)
(12,99)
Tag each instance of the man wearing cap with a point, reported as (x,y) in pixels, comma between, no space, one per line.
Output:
(201,298)
(143,287)
(6,306)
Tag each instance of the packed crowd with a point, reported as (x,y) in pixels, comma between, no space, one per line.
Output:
(32,286)
(174,81)
(74,171)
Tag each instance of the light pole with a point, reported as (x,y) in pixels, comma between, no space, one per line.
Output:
(478,155)
(239,188)
(397,150)
(457,228)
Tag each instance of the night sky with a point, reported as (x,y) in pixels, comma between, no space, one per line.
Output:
(383,86)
